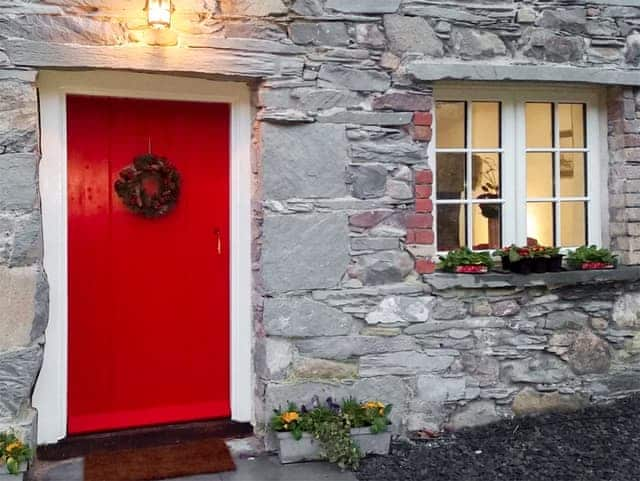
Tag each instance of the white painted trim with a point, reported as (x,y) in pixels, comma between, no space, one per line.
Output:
(513,97)
(50,396)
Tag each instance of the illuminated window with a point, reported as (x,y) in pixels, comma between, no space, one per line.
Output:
(516,166)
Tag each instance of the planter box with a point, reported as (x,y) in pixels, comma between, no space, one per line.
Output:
(308,448)
(372,443)
(472,269)
(594,266)
(4,476)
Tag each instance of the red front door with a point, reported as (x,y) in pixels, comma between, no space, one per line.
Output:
(148,298)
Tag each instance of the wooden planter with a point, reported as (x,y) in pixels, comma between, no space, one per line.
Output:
(308,448)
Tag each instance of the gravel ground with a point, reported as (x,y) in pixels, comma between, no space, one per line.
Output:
(598,444)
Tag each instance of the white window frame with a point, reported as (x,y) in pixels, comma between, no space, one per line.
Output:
(513,97)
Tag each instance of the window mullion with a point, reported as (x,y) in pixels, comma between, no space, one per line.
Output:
(519,218)
(469,176)
(557,238)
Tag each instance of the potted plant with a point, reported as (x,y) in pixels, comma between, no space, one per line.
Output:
(503,254)
(465,261)
(554,259)
(342,434)
(592,257)
(520,259)
(14,456)
(539,259)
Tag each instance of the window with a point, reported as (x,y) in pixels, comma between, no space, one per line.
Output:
(516,167)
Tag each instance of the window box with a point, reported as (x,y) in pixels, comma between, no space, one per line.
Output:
(14,477)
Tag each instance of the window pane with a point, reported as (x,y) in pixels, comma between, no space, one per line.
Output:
(573,224)
(451,226)
(539,175)
(540,223)
(451,125)
(572,174)
(486,176)
(451,175)
(486,125)
(539,125)
(572,125)
(487,223)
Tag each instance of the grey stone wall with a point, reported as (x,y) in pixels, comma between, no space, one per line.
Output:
(342,227)
(23,287)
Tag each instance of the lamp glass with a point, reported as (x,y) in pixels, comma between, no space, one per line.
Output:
(159,13)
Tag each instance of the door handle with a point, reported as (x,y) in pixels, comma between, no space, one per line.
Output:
(218,240)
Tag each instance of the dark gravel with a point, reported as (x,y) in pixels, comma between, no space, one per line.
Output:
(597,444)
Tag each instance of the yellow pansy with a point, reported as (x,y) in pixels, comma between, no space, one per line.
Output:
(290,416)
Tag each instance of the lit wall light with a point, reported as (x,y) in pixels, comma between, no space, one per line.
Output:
(159,13)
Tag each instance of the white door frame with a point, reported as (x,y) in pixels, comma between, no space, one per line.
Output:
(50,395)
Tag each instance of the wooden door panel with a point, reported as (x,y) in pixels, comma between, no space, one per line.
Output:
(148,298)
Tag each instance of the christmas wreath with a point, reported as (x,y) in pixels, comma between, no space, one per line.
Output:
(150,187)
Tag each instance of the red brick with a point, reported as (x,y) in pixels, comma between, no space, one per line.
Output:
(424,177)
(411,236)
(425,266)
(419,221)
(424,236)
(422,133)
(424,205)
(423,118)
(423,191)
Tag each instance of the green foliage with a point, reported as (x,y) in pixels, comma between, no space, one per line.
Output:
(13,452)
(332,425)
(464,257)
(591,254)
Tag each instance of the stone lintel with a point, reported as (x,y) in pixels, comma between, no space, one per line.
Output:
(432,71)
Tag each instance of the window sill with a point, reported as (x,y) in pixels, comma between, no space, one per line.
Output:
(443,280)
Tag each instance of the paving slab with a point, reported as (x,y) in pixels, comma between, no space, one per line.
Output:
(262,468)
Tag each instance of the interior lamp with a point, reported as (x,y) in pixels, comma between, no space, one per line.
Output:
(159,13)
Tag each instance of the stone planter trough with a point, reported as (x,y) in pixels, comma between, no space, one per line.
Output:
(308,448)
(4,476)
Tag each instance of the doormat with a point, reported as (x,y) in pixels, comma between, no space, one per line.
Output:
(162,462)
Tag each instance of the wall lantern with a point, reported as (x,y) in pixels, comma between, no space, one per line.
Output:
(159,13)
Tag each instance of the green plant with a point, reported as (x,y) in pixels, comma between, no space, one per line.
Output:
(591,254)
(331,425)
(13,452)
(464,257)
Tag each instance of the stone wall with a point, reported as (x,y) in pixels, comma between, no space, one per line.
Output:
(458,351)
(342,191)
(23,288)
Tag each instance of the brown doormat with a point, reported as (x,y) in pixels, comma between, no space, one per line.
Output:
(185,459)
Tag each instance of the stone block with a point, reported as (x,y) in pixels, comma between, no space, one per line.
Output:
(354,79)
(374,243)
(63,29)
(589,354)
(27,240)
(529,401)
(438,389)
(18,370)
(402,310)
(473,44)
(626,311)
(133,57)
(18,116)
(366,118)
(543,369)
(18,183)
(346,347)
(18,286)
(393,152)
(412,34)
(304,251)
(364,6)
(477,413)
(319,33)
(570,20)
(304,161)
(407,363)
(302,317)
(253,8)
(403,101)
(309,8)
(384,267)
(318,369)
(273,357)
